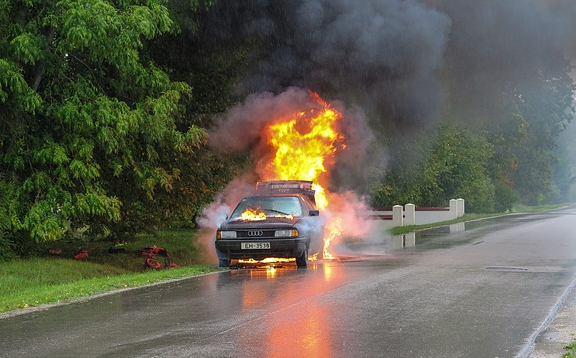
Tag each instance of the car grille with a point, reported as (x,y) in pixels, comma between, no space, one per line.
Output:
(254,234)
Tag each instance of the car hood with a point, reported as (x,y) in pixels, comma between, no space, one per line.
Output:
(270,222)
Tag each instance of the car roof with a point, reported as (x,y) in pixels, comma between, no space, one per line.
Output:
(301,188)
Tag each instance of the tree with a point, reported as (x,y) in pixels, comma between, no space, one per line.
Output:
(85,114)
(8,217)
(565,175)
(546,103)
(457,166)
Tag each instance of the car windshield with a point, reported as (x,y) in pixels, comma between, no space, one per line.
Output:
(268,206)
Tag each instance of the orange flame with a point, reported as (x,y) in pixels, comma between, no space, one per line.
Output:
(333,230)
(257,214)
(252,215)
(305,146)
(267,260)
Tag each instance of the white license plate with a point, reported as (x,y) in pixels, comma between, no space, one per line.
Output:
(255,245)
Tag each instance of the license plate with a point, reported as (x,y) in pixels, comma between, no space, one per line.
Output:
(255,245)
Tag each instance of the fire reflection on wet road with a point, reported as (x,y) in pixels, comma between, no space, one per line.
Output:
(303,332)
(442,293)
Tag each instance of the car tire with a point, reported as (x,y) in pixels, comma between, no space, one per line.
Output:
(302,260)
(223,263)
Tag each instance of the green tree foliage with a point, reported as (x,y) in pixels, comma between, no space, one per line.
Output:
(86,117)
(198,56)
(457,166)
(8,217)
(524,128)
(212,66)
(546,103)
(565,175)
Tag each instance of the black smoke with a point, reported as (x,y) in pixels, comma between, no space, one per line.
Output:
(380,55)
(496,45)
(395,58)
(400,64)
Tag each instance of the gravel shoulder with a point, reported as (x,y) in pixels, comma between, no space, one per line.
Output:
(560,332)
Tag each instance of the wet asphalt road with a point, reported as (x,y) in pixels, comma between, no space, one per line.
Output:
(484,289)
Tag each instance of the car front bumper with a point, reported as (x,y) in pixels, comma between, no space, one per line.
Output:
(283,248)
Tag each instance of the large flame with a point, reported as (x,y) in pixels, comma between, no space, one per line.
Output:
(305,145)
(253,215)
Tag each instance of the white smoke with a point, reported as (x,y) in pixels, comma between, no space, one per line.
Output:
(218,211)
(347,213)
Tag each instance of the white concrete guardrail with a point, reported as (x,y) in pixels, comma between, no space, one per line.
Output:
(410,214)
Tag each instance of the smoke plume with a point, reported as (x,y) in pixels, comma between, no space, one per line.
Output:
(378,54)
(398,60)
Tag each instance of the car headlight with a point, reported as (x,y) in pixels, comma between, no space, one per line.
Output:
(222,234)
(286,233)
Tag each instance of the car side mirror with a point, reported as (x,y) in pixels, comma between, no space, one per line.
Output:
(314,213)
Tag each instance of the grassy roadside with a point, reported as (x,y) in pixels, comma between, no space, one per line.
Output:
(399,230)
(45,279)
(65,291)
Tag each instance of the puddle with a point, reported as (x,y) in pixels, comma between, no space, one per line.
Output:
(548,335)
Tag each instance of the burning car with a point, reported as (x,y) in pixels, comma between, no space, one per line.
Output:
(281,220)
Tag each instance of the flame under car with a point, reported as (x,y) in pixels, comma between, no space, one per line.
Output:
(281,221)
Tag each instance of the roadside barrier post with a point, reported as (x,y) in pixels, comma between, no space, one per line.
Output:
(453,209)
(410,239)
(409,214)
(398,215)
(460,207)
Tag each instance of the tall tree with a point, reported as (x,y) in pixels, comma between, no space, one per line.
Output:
(85,115)
(546,102)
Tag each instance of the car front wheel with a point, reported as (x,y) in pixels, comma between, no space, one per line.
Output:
(302,260)
(223,263)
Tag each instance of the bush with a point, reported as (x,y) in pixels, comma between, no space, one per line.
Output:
(8,220)
(479,195)
(505,198)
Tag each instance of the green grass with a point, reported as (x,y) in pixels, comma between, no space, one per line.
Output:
(36,272)
(571,350)
(43,280)
(399,230)
(180,244)
(66,280)
(519,208)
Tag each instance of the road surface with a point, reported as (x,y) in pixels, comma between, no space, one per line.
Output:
(480,289)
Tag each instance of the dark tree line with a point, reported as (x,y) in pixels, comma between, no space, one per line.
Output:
(106,106)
